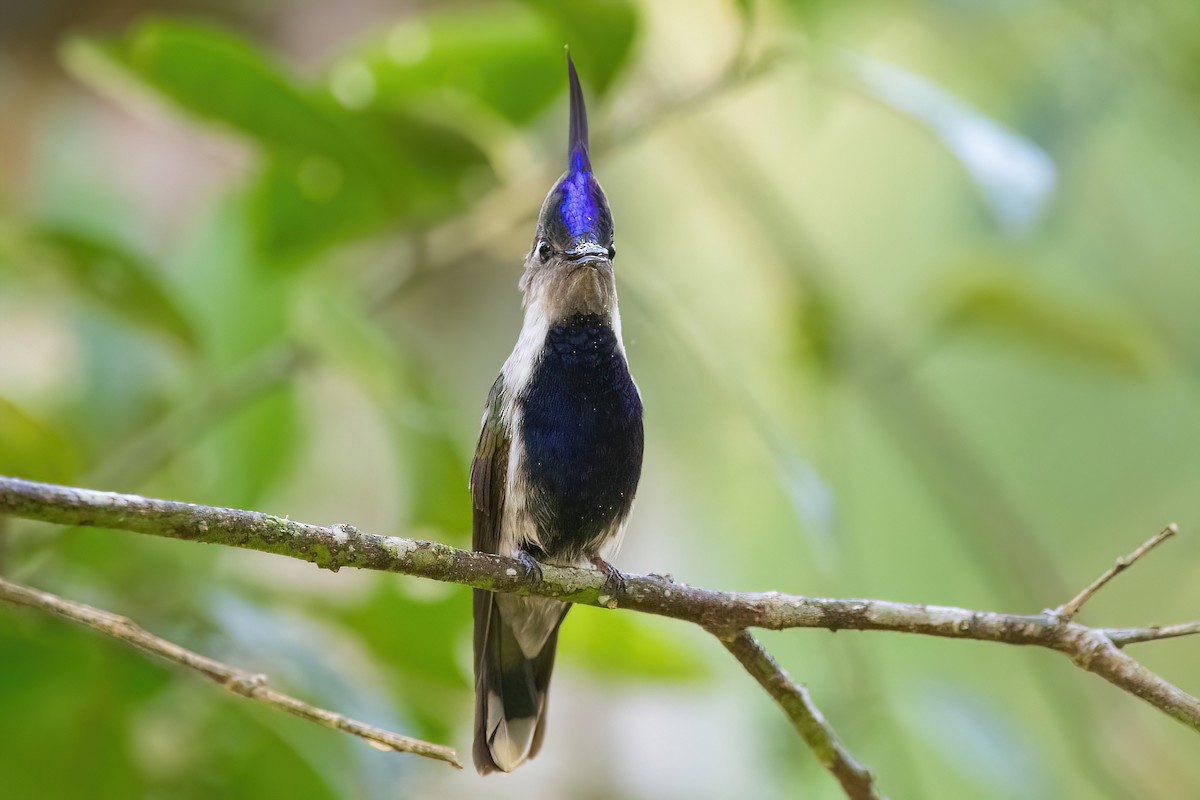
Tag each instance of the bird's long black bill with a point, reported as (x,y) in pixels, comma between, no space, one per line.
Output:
(578,157)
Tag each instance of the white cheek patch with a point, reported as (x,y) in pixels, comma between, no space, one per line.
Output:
(616,325)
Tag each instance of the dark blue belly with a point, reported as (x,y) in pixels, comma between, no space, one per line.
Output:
(582,431)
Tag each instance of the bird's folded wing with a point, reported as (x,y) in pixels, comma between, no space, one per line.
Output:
(489,474)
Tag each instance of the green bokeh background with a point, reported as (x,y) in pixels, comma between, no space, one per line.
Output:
(909,288)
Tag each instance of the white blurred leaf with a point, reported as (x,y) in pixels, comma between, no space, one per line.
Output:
(979,738)
(815,503)
(1014,176)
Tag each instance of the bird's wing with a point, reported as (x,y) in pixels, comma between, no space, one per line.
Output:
(510,685)
(489,475)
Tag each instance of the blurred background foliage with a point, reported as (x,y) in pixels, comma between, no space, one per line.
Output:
(909,288)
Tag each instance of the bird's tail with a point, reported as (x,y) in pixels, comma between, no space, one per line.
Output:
(515,640)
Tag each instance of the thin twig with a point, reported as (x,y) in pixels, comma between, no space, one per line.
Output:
(235,680)
(1068,610)
(1153,633)
(344,546)
(856,780)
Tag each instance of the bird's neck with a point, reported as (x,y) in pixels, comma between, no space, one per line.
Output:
(555,302)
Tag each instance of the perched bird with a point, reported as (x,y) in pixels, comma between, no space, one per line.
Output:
(560,452)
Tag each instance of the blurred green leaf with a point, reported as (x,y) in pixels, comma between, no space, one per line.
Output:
(32,448)
(392,618)
(333,171)
(256,446)
(811,14)
(256,747)
(76,696)
(630,646)
(116,279)
(164,584)
(304,203)
(212,74)
(502,56)
(600,34)
(341,331)
(1009,307)
(11,246)
(428,677)
(817,320)
(405,389)
(243,307)
(435,464)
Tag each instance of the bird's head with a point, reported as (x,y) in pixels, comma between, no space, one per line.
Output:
(573,249)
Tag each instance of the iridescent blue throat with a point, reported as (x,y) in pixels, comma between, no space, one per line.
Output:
(579,209)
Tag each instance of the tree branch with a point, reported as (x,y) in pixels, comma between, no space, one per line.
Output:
(856,780)
(1069,609)
(235,680)
(725,614)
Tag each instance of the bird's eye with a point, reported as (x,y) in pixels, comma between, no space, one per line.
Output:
(543,249)
(612,252)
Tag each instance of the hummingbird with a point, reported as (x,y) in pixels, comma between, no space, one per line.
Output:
(559,453)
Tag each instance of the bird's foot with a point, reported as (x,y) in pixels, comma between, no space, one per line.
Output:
(614,582)
(533,568)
